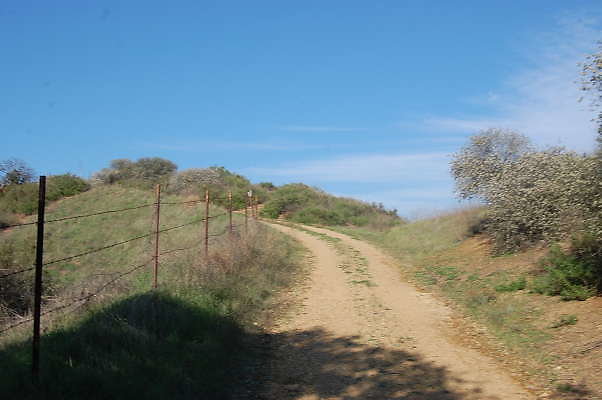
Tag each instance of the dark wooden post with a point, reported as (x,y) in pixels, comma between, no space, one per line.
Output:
(207,223)
(157,216)
(37,294)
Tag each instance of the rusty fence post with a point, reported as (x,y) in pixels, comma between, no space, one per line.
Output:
(247,204)
(157,217)
(207,223)
(37,295)
(230,212)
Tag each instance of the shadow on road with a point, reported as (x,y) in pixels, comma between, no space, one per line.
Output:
(316,365)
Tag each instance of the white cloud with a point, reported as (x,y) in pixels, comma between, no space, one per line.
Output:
(204,145)
(416,181)
(541,101)
(370,168)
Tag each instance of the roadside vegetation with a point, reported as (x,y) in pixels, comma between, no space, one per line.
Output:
(307,205)
(190,338)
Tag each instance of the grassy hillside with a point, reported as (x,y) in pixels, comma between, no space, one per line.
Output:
(304,204)
(540,334)
(187,337)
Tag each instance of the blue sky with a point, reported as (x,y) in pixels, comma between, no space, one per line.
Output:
(366,99)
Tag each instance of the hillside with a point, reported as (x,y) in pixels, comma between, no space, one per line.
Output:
(104,320)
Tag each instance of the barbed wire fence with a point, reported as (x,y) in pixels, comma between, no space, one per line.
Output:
(251,212)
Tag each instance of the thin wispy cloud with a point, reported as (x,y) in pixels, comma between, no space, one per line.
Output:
(318,128)
(541,101)
(369,168)
(205,145)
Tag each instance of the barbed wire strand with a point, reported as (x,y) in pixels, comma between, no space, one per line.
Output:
(99,213)
(17,225)
(171,203)
(181,249)
(86,297)
(92,251)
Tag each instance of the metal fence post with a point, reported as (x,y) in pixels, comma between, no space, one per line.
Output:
(37,302)
(230,212)
(157,216)
(207,223)
(247,211)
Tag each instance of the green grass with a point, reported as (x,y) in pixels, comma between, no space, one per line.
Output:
(153,346)
(183,341)
(512,286)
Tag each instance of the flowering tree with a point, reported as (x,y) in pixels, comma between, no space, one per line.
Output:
(591,82)
(15,172)
(477,166)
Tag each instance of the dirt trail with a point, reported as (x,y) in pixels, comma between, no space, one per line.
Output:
(359,332)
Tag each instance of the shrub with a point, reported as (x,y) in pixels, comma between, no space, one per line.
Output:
(23,199)
(477,166)
(315,215)
(305,204)
(518,284)
(143,173)
(20,199)
(191,180)
(64,185)
(567,275)
(531,195)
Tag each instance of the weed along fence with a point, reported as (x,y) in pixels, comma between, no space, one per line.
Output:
(155,236)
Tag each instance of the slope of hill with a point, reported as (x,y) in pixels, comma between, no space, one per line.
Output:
(187,337)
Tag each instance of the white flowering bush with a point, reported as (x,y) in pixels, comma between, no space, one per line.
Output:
(192,179)
(531,195)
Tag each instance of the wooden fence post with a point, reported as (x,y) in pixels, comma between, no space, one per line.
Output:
(207,223)
(37,301)
(157,216)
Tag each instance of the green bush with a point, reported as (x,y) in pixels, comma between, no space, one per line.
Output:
(144,173)
(302,203)
(315,215)
(20,199)
(518,284)
(569,275)
(65,185)
(23,199)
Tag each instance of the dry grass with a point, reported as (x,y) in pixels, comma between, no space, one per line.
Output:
(186,336)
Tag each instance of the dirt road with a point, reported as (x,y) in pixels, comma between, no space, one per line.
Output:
(360,332)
